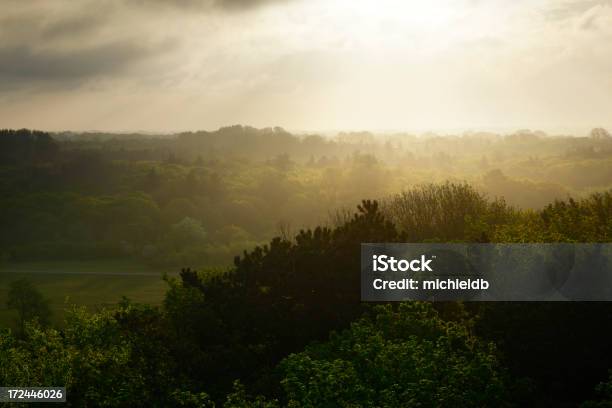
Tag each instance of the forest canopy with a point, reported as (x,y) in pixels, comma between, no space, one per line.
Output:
(285,326)
(198,198)
(282,324)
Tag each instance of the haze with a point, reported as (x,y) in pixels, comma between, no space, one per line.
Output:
(128,65)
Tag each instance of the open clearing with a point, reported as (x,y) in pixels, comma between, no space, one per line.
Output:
(94,284)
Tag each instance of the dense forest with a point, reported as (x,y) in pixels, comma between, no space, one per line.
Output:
(200,198)
(283,324)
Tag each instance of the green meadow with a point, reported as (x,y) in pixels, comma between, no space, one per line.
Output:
(93,284)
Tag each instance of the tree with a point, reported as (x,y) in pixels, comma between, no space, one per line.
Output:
(29,303)
(444,212)
(603,397)
(405,356)
(277,299)
(187,232)
(600,134)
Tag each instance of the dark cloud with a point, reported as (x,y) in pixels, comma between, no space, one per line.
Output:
(19,24)
(25,65)
(209,5)
(61,44)
(71,26)
(244,4)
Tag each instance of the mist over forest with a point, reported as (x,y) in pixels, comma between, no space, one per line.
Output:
(147,263)
(200,198)
(220,269)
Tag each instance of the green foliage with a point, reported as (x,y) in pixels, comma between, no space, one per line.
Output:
(405,357)
(238,398)
(446,212)
(92,196)
(585,220)
(278,298)
(240,324)
(604,395)
(200,198)
(190,399)
(104,359)
(187,232)
(23,145)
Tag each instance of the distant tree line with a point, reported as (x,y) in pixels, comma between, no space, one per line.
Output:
(19,146)
(199,198)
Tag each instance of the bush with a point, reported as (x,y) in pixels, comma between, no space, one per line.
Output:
(406,356)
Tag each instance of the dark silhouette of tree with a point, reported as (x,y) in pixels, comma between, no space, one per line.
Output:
(19,146)
(279,297)
(28,302)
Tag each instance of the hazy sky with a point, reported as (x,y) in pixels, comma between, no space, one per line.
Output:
(159,65)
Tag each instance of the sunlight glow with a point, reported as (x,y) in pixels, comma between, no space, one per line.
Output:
(314,64)
(422,14)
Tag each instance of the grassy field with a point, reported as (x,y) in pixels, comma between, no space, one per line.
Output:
(94,284)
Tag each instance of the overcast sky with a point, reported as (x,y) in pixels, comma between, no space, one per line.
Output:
(157,65)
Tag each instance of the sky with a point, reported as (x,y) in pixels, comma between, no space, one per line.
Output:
(306,65)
